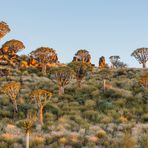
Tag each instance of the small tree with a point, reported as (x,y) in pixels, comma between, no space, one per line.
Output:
(114,60)
(63,75)
(105,75)
(4,29)
(12,89)
(82,55)
(41,98)
(116,63)
(27,126)
(44,55)
(141,55)
(9,50)
(80,70)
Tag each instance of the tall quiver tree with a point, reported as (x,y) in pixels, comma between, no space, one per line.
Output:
(44,56)
(12,89)
(62,75)
(141,55)
(9,50)
(80,69)
(4,29)
(114,60)
(83,56)
(41,98)
(12,47)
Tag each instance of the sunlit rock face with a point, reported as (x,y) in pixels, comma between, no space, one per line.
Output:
(102,63)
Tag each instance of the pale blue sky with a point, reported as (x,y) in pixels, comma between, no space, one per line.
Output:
(103,27)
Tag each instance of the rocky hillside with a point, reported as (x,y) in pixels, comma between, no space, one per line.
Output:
(113,116)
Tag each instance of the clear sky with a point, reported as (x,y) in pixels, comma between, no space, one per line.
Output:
(103,27)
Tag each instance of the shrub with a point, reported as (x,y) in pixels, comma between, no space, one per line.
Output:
(54,109)
(82,123)
(106,119)
(63,140)
(95,93)
(31,70)
(90,104)
(127,141)
(120,102)
(144,141)
(101,134)
(5,114)
(3,145)
(50,140)
(10,139)
(4,101)
(66,97)
(49,117)
(145,117)
(103,105)
(37,141)
(91,115)
(120,72)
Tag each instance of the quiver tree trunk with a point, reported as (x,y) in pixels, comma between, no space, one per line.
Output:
(14,105)
(144,64)
(78,83)
(44,69)
(27,140)
(41,115)
(61,90)
(104,84)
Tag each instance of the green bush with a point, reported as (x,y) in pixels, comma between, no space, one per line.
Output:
(104,106)
(90,104)
(145,117)
(4,101)
(54,109)
(79,120)
(5,114)
(91,115)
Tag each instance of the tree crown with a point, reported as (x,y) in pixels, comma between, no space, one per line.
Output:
(40,97)
(12,47)
(4,29)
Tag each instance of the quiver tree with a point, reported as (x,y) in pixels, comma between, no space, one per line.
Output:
(102,63)
(62,75)
(83,56)
(44,56)
(114,60)
(9,50)
(12,89)
(27,127)
(80,69)
(4,29)
(41,98)
(12,47)
(116,63)
(105,75)
(141,55)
